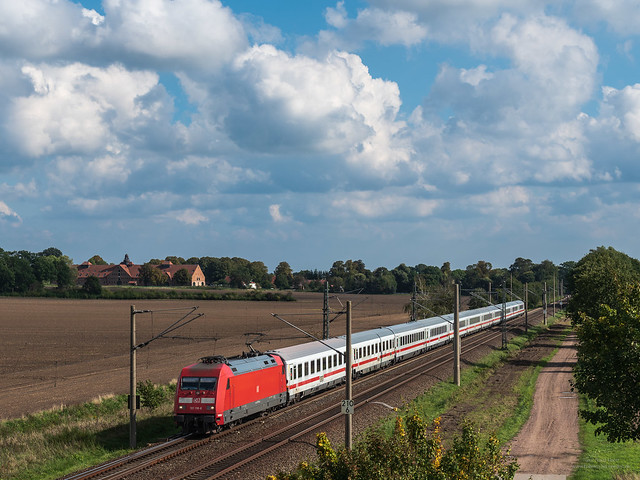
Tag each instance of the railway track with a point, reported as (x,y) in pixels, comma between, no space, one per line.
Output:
(234,458)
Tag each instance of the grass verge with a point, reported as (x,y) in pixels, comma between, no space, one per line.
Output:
(53,443)
(504,416)
(601,459)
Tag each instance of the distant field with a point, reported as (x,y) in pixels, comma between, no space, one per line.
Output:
(58,351)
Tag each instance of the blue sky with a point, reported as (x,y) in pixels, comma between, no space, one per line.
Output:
(388,131)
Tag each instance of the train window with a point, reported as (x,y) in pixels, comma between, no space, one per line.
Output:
(313,367)
(330,357)
(360,353)
(335,359)
(318,365)
(208,383)
(299,370)
(228,383)
(324,363)
(306,368)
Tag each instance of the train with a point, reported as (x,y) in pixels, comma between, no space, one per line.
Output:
(219,392)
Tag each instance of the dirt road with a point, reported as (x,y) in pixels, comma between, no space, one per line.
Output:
(548,443)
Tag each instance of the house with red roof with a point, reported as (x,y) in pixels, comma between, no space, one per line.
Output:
(127,273)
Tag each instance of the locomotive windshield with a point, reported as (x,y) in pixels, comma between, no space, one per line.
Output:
(198,383)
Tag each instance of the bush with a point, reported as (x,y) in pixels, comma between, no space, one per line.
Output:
(152,396)
(414,452)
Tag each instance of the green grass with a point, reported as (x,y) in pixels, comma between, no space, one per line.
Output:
(603,460)
(56,442)
(504,417)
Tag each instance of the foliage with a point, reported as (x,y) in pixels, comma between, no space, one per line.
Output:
(432,301)
(97,260)
(22,272)
(182,277)
(149,275)
(92,286)
(605,309)
(153,396)
(414,451)
(596,279)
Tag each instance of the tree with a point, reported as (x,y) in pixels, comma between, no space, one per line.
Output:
(149,275)
(596,279)
(65,274)
(545,271)
(22,273)
(97,260)
(7,277)
(284,275)
(50,252)
(182,277)
(605,309)
(44,268)
(522,269)
(92,286)
(260,274)
(175,260)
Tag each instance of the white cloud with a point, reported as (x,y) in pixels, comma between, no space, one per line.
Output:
(200,34)
(276,214)
(503,202)
(454,21)
(188,216)
(78,108)
(96,18)
(6,211)
(40,29)
(284,103)
(385,27)
(622,16)
(624,106)
(20,190)
(559,60)
(381,205)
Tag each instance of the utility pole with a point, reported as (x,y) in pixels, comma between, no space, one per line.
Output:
(526,307)
(132,381)
(544,303)
(348,442)
(554,295)
(504,317)
(413,304)
(133,403)
(456,334)
(489,293)
(325,311)
(511,288)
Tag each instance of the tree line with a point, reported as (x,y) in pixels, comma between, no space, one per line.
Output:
(23,271)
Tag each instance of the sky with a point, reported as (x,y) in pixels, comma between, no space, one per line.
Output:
(391,131)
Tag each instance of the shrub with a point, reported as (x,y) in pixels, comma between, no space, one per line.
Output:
(412,452)
(152,396)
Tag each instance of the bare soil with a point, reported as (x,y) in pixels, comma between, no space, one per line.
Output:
(548,443)
(63,352)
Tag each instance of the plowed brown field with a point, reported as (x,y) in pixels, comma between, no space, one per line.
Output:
(55,352)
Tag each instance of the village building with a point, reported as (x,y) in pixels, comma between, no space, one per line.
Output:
(127,273)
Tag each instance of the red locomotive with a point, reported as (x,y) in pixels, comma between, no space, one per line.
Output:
(217,391)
